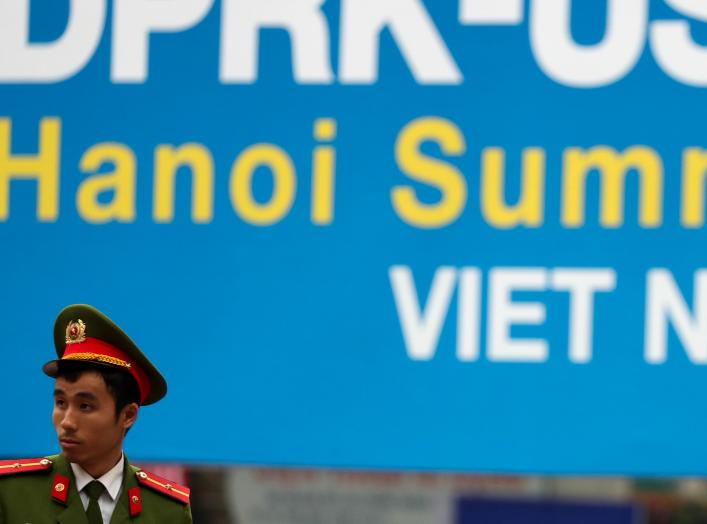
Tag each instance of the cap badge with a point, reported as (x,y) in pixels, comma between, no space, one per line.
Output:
(75,332)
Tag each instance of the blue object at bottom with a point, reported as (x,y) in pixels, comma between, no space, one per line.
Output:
(485,511)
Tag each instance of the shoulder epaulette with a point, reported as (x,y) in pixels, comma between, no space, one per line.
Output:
(14,467)
(163,486)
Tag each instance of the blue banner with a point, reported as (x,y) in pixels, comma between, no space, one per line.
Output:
(367,233)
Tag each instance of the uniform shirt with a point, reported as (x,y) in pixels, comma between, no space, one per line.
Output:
(30,497)
(112,481)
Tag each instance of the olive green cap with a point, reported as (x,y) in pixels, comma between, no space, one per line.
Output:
(82,333)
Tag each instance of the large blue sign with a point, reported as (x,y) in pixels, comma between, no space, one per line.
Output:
(460,235)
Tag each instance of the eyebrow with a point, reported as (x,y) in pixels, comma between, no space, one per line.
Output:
(81,394)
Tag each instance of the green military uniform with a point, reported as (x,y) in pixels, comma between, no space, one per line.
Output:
(43,491)
(32,497)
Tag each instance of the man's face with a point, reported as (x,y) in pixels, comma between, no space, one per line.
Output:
(85,421)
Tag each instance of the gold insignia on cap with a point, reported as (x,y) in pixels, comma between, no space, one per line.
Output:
(75,332)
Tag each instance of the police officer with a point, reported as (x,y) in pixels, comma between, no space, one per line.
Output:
(102,380)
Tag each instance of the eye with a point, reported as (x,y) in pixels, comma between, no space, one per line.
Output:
(59,402)
(86,407)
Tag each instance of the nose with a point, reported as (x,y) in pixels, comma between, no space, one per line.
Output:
(68,423)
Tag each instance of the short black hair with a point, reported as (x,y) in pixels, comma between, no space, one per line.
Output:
(121,385)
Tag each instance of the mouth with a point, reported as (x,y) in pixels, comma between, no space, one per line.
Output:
(68,443)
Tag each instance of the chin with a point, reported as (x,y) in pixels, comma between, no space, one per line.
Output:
(72,455)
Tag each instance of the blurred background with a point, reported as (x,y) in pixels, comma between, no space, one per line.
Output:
(324,496)
(399,260)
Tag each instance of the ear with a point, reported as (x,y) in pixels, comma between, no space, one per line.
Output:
(129,415)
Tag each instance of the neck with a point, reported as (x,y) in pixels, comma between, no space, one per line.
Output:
(102,466)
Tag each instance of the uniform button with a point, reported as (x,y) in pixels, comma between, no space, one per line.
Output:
(135,499)
(45,462)
(59,487)
(142,475)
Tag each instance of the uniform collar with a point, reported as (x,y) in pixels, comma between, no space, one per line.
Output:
(111,480)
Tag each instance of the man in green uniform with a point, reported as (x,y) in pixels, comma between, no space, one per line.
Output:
(102,380)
